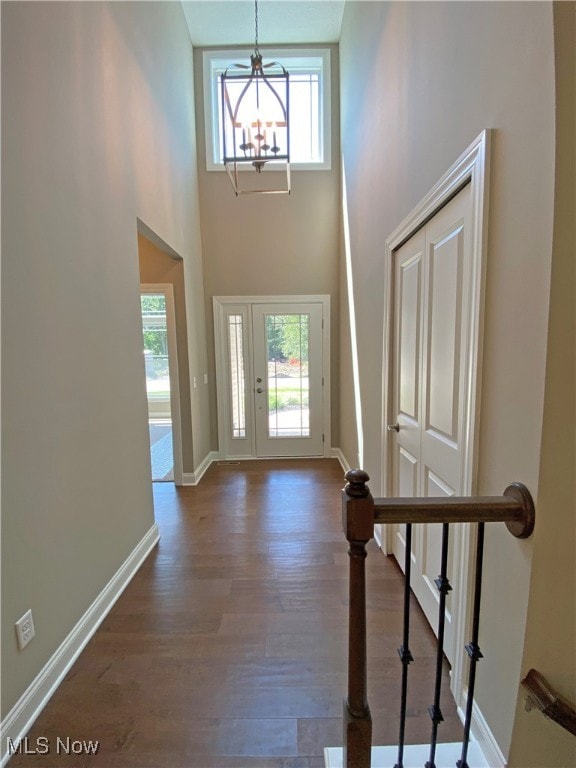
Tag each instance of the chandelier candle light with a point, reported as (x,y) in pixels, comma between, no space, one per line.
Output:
(255,119)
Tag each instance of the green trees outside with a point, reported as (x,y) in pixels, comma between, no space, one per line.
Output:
(154,323)
(287,337)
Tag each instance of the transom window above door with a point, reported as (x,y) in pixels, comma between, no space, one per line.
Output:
(309,94)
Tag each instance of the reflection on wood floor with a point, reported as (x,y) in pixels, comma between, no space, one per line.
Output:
(228,648)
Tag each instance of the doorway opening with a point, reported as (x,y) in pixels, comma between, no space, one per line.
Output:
(272,369)
(165,343)
(157,364)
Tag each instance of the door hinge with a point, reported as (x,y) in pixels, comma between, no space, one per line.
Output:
(322,438)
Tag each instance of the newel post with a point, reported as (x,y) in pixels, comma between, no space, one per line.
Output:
(358,524)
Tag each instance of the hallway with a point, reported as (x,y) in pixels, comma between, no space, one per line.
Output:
(161,450)
(228,648)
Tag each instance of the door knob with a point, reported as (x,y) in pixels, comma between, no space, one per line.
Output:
(394,427)
(259,390)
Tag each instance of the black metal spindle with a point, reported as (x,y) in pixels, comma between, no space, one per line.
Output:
(359,514)
(473,649)
(404,652)
(443,585)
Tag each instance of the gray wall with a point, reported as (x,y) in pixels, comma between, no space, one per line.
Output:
(271,244)
(419,82)
(97,131)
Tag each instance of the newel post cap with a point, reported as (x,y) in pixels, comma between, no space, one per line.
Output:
(357,506)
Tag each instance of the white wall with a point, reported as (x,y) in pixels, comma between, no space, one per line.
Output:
(97,131)
(419,81)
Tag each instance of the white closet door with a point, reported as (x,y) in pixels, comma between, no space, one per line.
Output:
(431,315)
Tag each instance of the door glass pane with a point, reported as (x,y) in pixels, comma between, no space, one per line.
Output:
(237,391)
(288,388)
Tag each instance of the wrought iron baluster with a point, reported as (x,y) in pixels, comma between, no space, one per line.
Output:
(472,649)
(360,512)
(404,652)
(443,585)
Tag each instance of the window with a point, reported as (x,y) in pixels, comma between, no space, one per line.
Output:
(237,384)
(309,103)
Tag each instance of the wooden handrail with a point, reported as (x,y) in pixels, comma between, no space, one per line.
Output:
(543,697)
(515,508)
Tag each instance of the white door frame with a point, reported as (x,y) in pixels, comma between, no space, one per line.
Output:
(471,167)
(167,290)
(219,303)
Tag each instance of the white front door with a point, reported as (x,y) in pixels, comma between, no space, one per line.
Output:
(272,371)
(431,316)
(287,342)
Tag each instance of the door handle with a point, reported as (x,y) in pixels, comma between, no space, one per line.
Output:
(259,390)
(394,427)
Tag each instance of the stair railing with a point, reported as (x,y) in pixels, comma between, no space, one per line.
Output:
(543,697)
(359,514)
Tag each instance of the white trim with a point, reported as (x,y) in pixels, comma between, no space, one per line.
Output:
(380,538)
(305,298)
(337,454)
(219,303)
(167,290)
(23,714)
(471,167)
(482,735)
(193,478)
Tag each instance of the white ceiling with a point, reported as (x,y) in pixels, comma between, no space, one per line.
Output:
(231,22)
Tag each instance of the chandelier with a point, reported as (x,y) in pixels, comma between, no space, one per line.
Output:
(255,121)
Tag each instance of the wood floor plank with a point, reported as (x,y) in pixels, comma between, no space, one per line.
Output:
(228,648)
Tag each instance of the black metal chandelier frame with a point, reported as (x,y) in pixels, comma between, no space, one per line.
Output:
(262,139)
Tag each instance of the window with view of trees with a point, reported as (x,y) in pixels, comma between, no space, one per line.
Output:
(309,93)
(155,335)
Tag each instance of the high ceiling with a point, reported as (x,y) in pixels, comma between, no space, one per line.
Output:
(231,22)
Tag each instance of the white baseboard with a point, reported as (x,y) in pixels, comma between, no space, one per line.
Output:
(193,478)
(337,454)
(23,714)
(481,733)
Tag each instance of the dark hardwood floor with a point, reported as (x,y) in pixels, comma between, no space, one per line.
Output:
(228,648)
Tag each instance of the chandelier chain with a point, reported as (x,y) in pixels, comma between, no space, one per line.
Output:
(256,24)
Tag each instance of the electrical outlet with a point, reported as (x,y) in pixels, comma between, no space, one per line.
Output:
(25,629)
